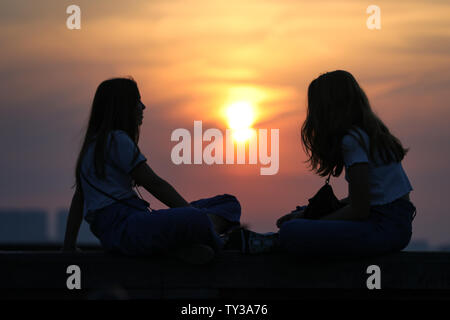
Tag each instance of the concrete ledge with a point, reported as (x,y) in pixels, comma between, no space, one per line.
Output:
(231,275)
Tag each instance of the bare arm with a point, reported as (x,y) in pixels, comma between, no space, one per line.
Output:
(74,221)
(158,187)
(358,207)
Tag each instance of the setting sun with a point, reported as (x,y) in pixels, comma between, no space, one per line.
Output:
(240,117)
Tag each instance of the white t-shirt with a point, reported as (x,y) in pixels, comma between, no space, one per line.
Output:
(387,182)
(119,154)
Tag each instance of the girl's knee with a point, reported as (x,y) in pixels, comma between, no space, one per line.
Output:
(295,225)
(402,242)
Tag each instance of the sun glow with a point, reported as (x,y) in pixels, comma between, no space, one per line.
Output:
(240,117)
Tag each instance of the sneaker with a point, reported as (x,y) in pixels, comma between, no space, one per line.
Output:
(298,212)
(249,242)
(195,254)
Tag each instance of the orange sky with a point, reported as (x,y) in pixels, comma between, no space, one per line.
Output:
(191,58)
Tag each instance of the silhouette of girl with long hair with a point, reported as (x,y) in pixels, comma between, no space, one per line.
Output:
(110,164)
(341,132)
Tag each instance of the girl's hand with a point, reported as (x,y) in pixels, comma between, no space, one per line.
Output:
(297,214)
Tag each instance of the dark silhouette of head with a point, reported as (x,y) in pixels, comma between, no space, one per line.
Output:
(336,104)
(116,106)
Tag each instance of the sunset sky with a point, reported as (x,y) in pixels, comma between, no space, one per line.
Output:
(192,59)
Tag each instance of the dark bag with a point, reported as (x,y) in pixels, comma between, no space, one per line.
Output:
(324,202)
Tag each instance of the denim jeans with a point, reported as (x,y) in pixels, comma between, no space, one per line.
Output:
(388,229)
(130,231)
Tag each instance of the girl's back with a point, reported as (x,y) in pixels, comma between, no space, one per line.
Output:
(387,181)
(121,156)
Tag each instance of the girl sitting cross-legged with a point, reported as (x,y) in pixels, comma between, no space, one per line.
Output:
(342,133)
(110,164)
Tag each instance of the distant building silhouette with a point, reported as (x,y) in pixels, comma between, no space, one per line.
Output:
(444,247)
(85,235)
(23,226)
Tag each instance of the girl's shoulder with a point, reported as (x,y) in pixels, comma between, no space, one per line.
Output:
(355,137)
(119,139)
(118,132)
(122,140)
(119,135)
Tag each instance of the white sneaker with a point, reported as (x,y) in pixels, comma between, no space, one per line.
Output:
(249,242)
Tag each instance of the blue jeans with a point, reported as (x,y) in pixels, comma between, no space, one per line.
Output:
(133,232)
(388,229)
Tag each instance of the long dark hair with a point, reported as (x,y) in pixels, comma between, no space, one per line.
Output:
(114,108)
(337,104)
